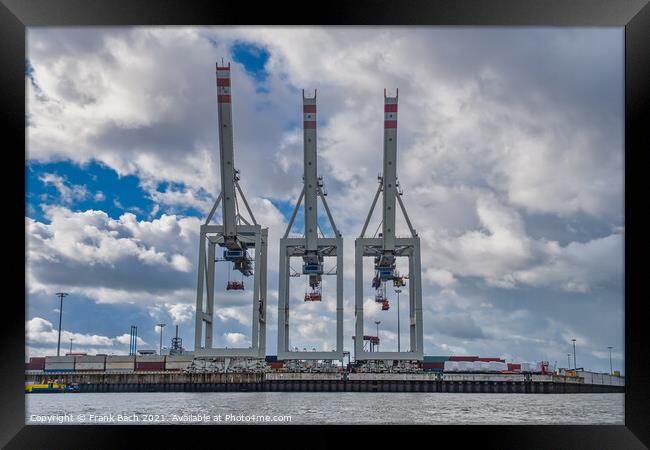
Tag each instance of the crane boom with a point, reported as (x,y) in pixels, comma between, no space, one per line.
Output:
(227,157)
(311,172)
(390,171)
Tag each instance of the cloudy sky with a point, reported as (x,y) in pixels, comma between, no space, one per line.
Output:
(510,154)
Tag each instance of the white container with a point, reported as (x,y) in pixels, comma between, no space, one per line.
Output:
(450,366)
(120,358)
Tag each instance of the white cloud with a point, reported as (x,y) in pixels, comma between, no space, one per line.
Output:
(39,331)
(235,339)
(68,192)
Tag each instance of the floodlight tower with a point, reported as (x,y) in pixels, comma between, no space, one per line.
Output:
(237,236)
(312,248)
(387,247)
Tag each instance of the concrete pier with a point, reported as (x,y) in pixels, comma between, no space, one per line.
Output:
(308,382)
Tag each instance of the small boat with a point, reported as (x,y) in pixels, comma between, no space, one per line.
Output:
(50,387)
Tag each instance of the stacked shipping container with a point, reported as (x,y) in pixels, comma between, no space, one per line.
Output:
(120,364)
(178,362)
(35,363)
(150,363)
(90,363)
(59,363)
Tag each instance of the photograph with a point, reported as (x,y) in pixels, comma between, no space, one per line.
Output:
(341,225)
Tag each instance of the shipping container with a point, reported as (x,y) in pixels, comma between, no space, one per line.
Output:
(120,365)
(150,365)
(178,362)
(89,363)
(37,361)
(433,365)
(59,359)
(59,363)
(463,358)
(271,358)
(514,366)
(150,358)
(435,359)
(491,359)
(120,370)
(58,370)
(120,358)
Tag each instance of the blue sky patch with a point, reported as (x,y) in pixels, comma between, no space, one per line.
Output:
(253,58)
(91,186)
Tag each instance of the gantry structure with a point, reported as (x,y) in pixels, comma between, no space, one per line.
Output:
(238,237)
(312,248)
(386,248)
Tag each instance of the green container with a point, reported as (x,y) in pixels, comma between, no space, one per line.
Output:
(435,359)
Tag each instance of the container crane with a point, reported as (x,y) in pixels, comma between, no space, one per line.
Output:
(312,248)
(237,236)
(387,247)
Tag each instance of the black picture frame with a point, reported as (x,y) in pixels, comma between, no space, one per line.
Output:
(634,15)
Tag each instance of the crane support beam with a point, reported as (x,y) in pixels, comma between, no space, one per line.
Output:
(372,209)
(329,213)
(243,197)
(293,214)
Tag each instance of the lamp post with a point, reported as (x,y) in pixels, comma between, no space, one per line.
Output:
(575,366)
(610,360)
(58,345)
(568,360)
(161,325)
(377,322)
(398,291)
(71,339)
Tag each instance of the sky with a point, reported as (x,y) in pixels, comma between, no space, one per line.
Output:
(510,156)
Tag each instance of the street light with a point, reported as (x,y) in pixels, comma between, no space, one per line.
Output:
(398,291)
(161,325)
(377,322)
(575,367)
(58,345)
(568,360)
(610,360)
(71,339)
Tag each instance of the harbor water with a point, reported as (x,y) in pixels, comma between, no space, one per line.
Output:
(323,408)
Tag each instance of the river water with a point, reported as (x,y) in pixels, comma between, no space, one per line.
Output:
(323,408)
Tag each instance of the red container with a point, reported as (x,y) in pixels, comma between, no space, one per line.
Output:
(276,365)
(150,366)
(463,358)
(37,363)
(513,366)
(436,365)
(491,359)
